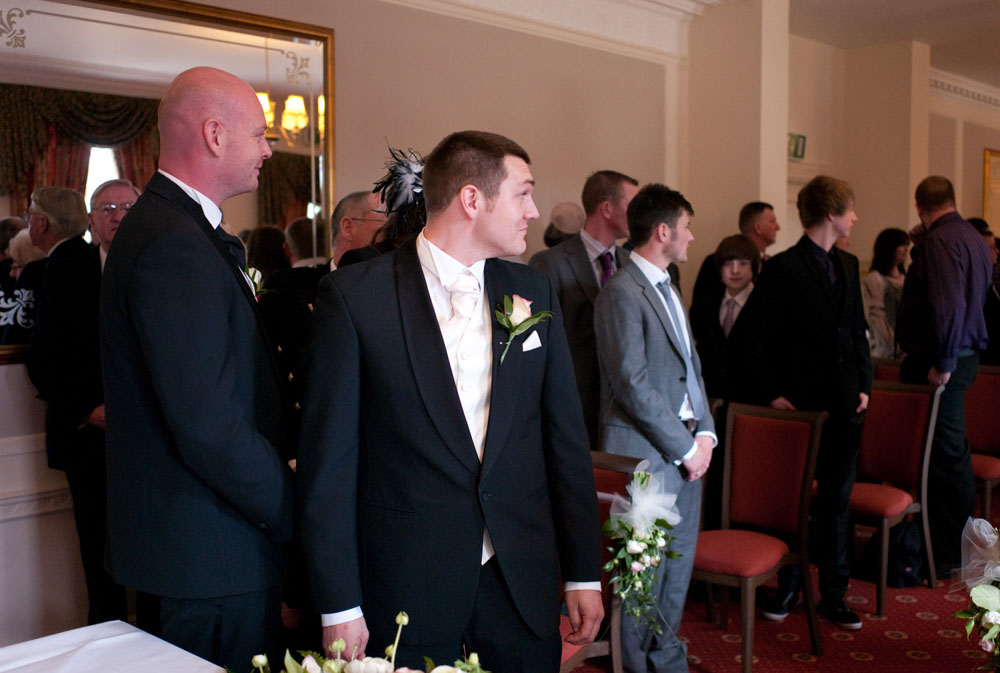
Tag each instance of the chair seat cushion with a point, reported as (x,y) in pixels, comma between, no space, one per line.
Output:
(985,467)
(879,500)
(742,553)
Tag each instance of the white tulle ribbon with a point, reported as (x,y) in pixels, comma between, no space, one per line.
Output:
(646,504)
(980,553)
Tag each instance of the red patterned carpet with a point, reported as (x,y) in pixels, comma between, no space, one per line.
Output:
(918,635)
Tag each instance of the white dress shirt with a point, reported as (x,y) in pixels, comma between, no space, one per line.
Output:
(740,300)
(595,250)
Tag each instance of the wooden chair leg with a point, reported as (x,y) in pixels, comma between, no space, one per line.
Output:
(746,627)
(615,637)
(723,607)
(931,568)
(807,592)
(709,603)
(883,566)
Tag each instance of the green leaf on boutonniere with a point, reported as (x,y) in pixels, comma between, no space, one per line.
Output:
(515,316)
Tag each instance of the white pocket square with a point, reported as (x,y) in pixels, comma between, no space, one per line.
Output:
(532,342)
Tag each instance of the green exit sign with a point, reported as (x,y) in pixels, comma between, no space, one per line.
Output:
(796,146)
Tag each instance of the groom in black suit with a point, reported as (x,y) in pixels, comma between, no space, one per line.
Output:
(433,477)
(198,496)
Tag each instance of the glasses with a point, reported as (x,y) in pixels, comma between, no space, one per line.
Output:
(110,208)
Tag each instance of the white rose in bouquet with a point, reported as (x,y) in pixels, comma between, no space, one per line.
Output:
(368,665)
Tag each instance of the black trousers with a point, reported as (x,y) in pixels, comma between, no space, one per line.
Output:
(495,632)
(87,481)
(951,487)
(227,630)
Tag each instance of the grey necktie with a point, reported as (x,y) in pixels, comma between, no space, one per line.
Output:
(691,378)
(728,315)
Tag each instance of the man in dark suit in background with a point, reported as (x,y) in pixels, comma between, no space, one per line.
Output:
(108,205)
(198,496)
(809,351)
(578,268)
(63,360)
(657,409)
(443,466)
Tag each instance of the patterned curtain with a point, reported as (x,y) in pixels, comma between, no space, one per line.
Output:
(28,116)
(136,158)
(283,188)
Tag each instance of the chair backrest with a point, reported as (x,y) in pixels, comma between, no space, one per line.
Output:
(886,371)
(897,435)
(769,463)
(982,403)
(612,474)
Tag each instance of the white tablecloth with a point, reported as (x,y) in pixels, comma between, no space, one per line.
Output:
(111,647)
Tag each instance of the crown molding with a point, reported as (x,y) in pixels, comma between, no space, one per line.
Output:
(965,89)
(34,503)
(649,30)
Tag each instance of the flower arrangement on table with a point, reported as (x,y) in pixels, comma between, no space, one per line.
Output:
(313,662)
(640,524)
(981,575)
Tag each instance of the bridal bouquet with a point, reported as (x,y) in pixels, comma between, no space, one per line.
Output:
(639,524)
(981,575)
(313,662)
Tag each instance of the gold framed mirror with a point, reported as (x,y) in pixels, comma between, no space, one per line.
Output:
(991,186)
(280,56)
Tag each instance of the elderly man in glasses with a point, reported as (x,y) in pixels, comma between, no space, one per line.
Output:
(108,205)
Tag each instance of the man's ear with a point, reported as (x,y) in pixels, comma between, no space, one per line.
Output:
(347,228)
(471,200)
(605,208)
(214,134)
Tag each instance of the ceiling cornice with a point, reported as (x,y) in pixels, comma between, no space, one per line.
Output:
(653,30)
(966,89)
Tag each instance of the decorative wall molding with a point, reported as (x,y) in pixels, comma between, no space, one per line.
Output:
(649,30)
(22,445)
(968,90)
(34,503)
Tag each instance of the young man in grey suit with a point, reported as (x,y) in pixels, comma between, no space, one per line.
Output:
(579,268)
(657,407)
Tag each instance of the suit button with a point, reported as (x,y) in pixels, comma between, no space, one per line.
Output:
(683,379)
(486,495)
(262,526)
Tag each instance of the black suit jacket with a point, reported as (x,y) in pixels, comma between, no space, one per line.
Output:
(63,356)
(719,354)
(198,496)
(808,336)
(392,494)
(572,276)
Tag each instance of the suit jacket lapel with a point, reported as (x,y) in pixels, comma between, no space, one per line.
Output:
(653,296)
(428,357)
(816,270)
(583,269)
(504,387)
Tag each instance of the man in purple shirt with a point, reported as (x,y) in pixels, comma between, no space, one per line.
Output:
(942,330)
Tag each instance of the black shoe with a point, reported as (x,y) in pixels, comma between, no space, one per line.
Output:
(836,611)
(776,608)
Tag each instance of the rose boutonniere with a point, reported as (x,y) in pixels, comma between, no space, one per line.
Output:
(256,280)
(515,316)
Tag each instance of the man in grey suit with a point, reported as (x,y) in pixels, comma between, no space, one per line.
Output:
(657,407)
(578,268)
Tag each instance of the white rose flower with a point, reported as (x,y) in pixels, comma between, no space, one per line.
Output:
(445,669)
(259,661)
(991,618)
(634,547)
(661,542)
(310,665)
(637,567)
(368,665)
(520,311)
(646,560)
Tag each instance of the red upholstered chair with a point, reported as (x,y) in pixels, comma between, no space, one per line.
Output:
(886,370)
(895,453)
(982,403)
(769,463)
(612,474)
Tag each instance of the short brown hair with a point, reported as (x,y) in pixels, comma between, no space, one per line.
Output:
(604,186)
(749,214)
(823,196)
(467,158)
(299,237)
(654,204)
(737,247)
(64,208)
(935,192)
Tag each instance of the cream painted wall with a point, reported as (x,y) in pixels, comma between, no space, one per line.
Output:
(408,78)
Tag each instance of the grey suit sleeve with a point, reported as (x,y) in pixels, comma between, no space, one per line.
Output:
(621,324)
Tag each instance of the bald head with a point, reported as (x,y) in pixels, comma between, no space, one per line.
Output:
(212,133)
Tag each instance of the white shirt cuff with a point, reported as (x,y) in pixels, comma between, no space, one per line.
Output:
(582,586)
(342,617)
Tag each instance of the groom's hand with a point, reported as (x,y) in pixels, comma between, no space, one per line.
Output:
(586,610)
(354,633)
